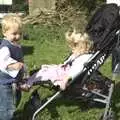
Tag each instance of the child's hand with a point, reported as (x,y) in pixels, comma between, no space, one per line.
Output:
(16,66)
(25,87)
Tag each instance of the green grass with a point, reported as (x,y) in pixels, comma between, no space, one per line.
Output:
(46,45)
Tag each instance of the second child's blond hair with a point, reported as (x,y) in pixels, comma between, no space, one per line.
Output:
(80,42)
(11,20)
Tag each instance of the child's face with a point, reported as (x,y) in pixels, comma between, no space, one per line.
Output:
(13,34)
(75,47)
(78,48)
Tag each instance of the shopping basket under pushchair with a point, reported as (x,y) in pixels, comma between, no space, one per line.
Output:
(105,38)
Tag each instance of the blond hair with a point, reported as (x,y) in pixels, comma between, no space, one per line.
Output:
(11,21)
(79,42)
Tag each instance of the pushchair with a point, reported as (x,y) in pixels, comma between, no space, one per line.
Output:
(105,43)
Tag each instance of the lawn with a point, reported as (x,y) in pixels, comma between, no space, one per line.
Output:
(46,45)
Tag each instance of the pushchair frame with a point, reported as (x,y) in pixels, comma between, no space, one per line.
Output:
(90,67)
(105,40)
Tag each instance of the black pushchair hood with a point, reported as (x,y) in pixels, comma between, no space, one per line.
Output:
(103,25)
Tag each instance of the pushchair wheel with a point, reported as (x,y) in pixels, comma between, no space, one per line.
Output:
(109,116)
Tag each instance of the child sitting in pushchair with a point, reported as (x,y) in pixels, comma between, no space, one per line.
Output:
(59,74)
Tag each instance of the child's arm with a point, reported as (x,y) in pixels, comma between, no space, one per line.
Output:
(5,58)
(7,62)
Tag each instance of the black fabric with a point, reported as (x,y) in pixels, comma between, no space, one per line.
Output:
(33,103)
(103,22)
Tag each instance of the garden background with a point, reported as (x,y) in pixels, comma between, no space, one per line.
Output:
(44,43)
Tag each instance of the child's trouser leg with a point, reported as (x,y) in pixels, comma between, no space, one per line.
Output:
(7,106)
(16,94)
